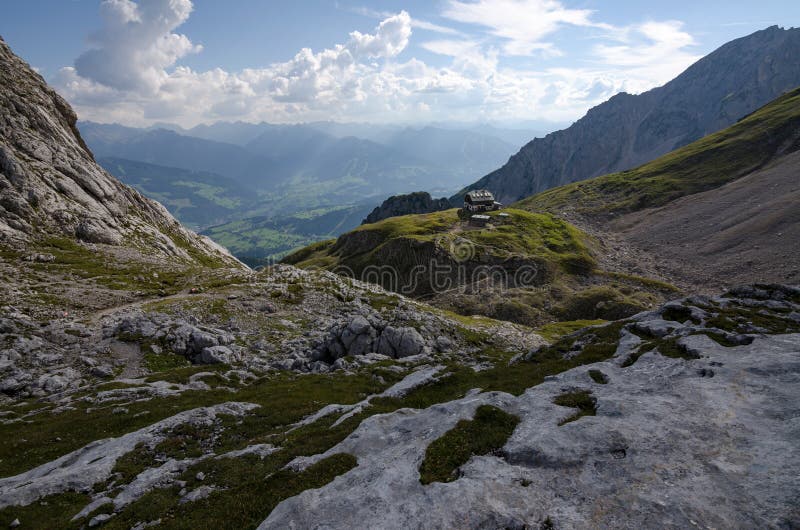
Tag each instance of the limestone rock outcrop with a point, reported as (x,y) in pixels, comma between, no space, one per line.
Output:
(50,184)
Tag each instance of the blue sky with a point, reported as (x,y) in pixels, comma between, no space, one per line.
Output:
(184,61)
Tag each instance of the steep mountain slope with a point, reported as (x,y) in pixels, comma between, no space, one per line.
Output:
(714,212)
(629,130)
(198,199)
(756,141)
(52,187)
(747,229)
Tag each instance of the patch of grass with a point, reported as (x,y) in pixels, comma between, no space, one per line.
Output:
(598,344)
(114,385)
(556,330)
(598,377)
(379,302)
(54,511)
(581,400)
(668,347)
(181,375)
(80,261)
(487,432)
(634,356)
(739,319)
(245,505)
(720,339)
(601,302)
(131,464)
(185,441)
(161,362)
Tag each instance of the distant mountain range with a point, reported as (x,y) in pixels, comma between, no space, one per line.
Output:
(258,180)
(629,130)
(358,160)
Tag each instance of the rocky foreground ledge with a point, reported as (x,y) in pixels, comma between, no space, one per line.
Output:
(705,443)
(687,416)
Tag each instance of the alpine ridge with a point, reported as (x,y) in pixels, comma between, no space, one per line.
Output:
(52,186)
(629,130)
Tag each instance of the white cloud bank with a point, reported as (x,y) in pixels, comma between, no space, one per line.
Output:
(133,74)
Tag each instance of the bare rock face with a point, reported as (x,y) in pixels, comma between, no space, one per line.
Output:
(51,185)
(629,130)
(707,439)
(418,202)
(363,334)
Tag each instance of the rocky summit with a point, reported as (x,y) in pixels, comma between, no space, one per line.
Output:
(149,379)
(419,202)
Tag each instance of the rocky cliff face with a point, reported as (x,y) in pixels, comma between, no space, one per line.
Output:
(50,184)
(629,130)
(418,202)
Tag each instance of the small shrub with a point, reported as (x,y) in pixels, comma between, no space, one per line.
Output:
(581,400)
(598,377)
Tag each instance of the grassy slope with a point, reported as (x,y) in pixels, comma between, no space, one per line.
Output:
(708,163)
(527,235)
(566,286)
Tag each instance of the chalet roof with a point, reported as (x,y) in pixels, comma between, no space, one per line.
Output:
(480,195)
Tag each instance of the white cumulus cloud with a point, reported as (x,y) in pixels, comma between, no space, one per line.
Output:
(136,44)
(522,24)
(133,73)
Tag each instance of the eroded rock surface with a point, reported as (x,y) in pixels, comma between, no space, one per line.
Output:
(708,440)
(81,469)
(668,447)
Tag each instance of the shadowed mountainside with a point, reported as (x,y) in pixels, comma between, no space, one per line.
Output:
(629,130)
(712,213)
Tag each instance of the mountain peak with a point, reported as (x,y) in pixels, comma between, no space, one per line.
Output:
(629,130)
